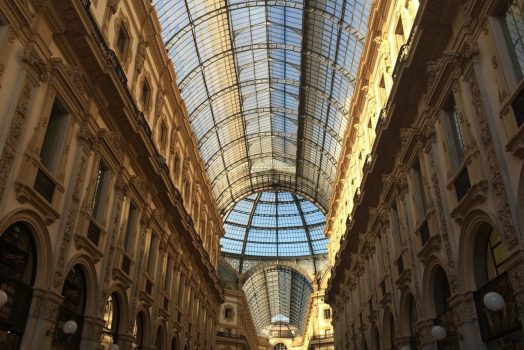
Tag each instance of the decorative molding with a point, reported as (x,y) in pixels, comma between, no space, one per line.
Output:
(13,137)
(501,200)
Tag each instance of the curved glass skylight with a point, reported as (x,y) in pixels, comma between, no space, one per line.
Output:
(267,85)
(274,224)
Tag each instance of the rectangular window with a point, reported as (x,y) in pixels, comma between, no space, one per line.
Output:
(420,194)
(146,92)
(102,177)
(167,281)
(151,255)
(121,42)
(455,131)
(130,227)
(513,26)
(395,230)
(163,134)
(49,154)
(327,314)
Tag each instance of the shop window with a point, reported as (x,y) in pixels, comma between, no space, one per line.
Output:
(159,338)
(112,320)
(138,332)
(74,292)
(17,274)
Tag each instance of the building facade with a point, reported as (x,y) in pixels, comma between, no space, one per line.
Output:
(430,221)
(108,230)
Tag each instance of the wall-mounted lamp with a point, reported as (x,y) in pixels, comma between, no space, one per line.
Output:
(70,327)
(494,301)
(3,298)
(438,332)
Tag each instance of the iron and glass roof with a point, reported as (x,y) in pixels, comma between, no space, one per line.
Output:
(267,86)
(278,294)
(274,224)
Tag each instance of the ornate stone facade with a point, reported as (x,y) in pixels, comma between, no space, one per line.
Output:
(440,192)
(82,165)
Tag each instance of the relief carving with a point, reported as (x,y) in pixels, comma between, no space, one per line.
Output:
(31,57)
(504,214)
(73,211)
(13,137)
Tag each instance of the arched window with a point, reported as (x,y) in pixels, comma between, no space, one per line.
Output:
(174,344)
(138,332)
(489,255)
(413,319)
(280,346)
(376,336)
(444,316)
(17,275)
(72,309)
(112,320)
(158,338)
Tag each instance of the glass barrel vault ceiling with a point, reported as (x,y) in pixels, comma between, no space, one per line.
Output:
(274,224)
(267,85)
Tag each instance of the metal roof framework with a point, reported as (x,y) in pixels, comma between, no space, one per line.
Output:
(280,225)
(278,294)
(267,85)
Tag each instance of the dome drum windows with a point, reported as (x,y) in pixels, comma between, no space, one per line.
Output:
(274,224)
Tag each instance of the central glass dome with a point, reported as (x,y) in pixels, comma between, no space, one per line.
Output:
(274,224)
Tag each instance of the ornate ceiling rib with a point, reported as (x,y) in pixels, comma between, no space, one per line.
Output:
(267,85)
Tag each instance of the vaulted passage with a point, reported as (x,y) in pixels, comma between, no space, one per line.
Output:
(261,174)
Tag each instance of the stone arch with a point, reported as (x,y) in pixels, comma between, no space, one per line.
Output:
(428,282)
(406,299)
(120,291)
(143,313)
(41,239)
(289,264)
(88,267)
(160,333)
(174,342)
(470,236)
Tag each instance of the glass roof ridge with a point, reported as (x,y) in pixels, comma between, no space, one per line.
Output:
(267,87)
